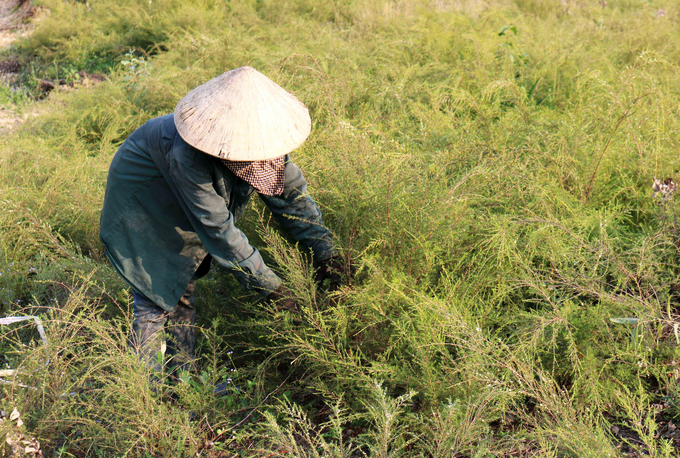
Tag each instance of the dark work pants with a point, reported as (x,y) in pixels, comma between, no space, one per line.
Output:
(163,338)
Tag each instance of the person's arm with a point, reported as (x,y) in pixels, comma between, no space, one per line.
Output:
(213,222)
(298,213)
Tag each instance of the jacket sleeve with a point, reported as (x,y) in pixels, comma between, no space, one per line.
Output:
(213,222)
(298,213)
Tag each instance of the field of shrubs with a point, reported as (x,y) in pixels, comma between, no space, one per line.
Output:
(488,168)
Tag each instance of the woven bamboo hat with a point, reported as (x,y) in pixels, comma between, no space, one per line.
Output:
(242,115)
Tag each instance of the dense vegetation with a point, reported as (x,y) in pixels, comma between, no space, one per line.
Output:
(488,168)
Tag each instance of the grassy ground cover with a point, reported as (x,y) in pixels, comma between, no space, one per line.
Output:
(488,168)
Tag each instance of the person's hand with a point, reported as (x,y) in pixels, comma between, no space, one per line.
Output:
(283,298)
(333,269)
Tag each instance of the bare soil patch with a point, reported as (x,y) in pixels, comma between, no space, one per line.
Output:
(14,14)
(14,24)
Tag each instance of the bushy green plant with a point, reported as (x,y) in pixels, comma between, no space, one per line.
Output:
(486,167)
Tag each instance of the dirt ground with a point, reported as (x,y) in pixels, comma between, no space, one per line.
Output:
(13,15)
(15,18)
(15,22)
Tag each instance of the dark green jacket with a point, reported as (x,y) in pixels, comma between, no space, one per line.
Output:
(168,205)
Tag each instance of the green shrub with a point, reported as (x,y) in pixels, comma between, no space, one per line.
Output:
(488,169)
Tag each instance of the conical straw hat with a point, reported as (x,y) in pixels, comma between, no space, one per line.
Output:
(242,116)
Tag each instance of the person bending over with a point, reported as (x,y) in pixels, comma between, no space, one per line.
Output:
(176,188)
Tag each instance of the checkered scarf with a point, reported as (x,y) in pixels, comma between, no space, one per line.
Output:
(266,177)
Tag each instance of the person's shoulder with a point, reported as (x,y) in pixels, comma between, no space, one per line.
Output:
(162,125)
(161,131)
(152,128)
(167,129)
(161,120)
(166,121)
(186,156)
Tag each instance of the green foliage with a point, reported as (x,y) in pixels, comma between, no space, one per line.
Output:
(11,96)
(488,170)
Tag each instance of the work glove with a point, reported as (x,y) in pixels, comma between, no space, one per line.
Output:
(283,298)
(333,269)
